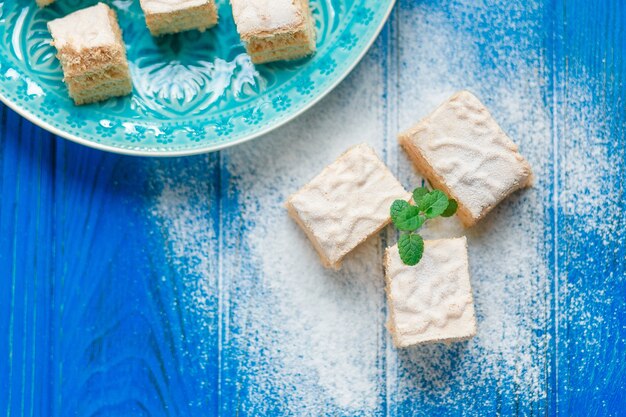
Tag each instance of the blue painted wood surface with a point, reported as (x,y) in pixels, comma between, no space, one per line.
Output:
(111,306)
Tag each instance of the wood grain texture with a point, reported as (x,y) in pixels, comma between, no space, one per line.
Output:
(179,287)
(589,252)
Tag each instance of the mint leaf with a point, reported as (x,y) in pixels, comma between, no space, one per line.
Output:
(411,248)
(418,194)
(396,208)
(409,219)
(433,204)
(451,209)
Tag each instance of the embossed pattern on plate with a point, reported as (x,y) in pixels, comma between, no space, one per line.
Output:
(193,92)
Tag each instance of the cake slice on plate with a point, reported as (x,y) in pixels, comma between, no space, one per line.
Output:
(346,203)
(274,30)
(463,151)
(92,54)
(431,301)
(172,16)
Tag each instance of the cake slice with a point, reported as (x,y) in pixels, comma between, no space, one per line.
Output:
(274,30)
(463,151)
(431,301)
(172,16)
(346,203)
(92,54)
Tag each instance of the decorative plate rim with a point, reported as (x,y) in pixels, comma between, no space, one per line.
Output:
(24,112)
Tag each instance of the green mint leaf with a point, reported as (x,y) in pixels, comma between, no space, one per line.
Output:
(397,207)
(409,219)
(418,194)
(411,248)
(451,209)
(433,204)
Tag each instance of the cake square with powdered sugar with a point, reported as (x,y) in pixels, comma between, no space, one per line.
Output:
(346,203)
(92,54)
(462,151)
(431,301)
(274,30)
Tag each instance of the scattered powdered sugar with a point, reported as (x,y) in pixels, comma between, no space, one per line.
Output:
(316,333)
(586,167)
(181,214)
(309,341)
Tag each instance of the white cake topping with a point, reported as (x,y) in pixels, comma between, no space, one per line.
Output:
(347,202)
(265,15)
(469,150)
(431,301)
(85,28)
(167,6)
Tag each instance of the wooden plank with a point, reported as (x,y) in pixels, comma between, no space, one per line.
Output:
(590,131)
(25,232)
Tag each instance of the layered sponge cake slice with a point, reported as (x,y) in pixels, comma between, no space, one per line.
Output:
(462,150)
(92,54)
(432,301)
(172,16)
(346,203)
(274,30)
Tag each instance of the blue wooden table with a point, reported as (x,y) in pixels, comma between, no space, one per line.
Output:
(179,287)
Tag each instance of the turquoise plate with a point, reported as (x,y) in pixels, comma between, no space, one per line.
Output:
(193,92)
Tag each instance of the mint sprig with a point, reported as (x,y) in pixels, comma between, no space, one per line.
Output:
(408,218)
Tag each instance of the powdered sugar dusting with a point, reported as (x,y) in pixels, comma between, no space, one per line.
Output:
(181,214)
(586,165)
(316,332)
(265,15)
